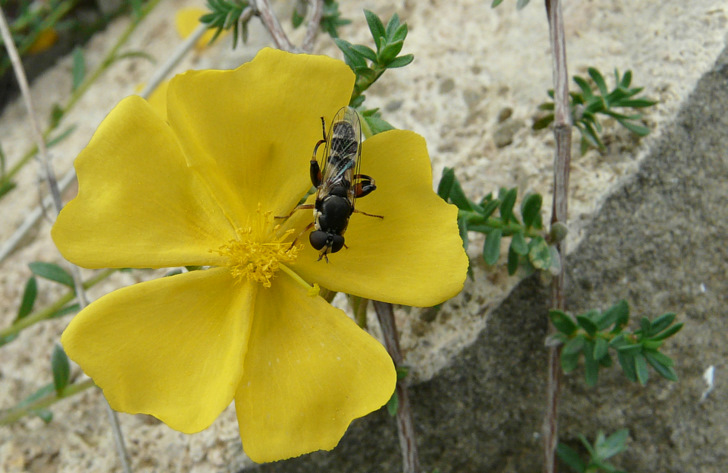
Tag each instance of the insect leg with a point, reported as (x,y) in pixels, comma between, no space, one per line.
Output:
(365,186)
(308,227)
(299,207)
(315,168)
(368,215)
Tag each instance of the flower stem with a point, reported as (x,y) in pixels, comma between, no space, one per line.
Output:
(13,414)
(405,424)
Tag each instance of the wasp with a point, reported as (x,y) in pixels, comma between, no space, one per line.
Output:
(338,184)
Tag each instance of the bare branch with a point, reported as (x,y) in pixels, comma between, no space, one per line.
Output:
(273,26)
(313,26)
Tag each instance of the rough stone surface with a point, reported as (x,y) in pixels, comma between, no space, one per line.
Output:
(658,241)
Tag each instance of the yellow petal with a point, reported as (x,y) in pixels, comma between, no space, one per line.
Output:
(414,255)
(172,347)
(186,21)
(139,205)
(251,131)
(309,371)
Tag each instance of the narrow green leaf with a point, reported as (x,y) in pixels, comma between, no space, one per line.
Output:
(598,80)
(630,349)
(495,3)
(463,229)
(400,61)
(491,247)
(640,364)
(52,272)
(600,348)
(530,209)
(521,4)
(543,122)
(45,415)
(539,254)
(562,321)
(614,444)
(446,183)
(645,327)
(668,332)
(569,362)
(512,261)
(591,366)
(61,368)
(636,103)
(626,79)
(29,294)
(584,86)
(457,197)
(662,322)
(365,51)
(518,243)
(78,70)
(626,361)
(570,457)
(377,124)
(353,59)
(375,26)
(574,346)
(506,208)
(587,324)
(490,207)
(399,34)
(389,52)
(618,314)
(663,369)
(638,130)
(392,25)
(393,404)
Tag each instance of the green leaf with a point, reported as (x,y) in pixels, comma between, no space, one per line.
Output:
(669,332)
(463,229)
(62,136)
(392,26)
(562,321)
(636,103)
(61,368)
(389,52)
(626,79)
(543,122)
(586,323)
(569,362)
(618,314)
(353,59)
(299,14)
(491,247)
(457,197)
(584,86)
(574,346)
(393,404)
(600,348)
(663,367)
(365,51)
(399,34)
(52,272)
(539,254)
(512,261)
(598,80)
(78,70)
(626,361)
(377,124)
(530,209)
(375,26)
(662,322)
(640,364)
(29,295)
(495,3)
(400,61)
(518,243)
(521,4)
(614,444)
(570,457)
(490,207)
(638,130)
(506,208)
(591,366)
(446,183)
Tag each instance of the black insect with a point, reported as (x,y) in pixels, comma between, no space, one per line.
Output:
(339,184)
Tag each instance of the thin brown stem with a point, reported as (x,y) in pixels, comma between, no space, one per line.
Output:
(405,424)
(269,19)
(313,26)
(562,159)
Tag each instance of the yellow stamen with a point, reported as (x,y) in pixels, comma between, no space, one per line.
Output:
(257,254)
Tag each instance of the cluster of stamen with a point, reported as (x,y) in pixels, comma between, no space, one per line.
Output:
(257,254)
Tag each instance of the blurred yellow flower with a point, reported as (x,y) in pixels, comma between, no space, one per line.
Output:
(202,188)
(45,40)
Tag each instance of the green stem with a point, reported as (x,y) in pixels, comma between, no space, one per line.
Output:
(48,312)
(22,410)
(82,88)
(362,86)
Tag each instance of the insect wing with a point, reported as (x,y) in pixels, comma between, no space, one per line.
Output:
(343,150)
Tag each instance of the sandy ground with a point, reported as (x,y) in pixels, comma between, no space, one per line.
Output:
(472,64)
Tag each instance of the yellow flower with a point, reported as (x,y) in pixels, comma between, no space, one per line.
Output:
(202,188)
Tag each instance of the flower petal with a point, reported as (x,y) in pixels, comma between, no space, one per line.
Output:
(309,371)
(414,255)
(172,347)
(139,205)
(251,131)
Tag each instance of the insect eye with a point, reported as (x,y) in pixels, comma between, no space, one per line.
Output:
(337,244)
(318,239)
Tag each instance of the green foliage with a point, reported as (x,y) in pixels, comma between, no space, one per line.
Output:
(331,19)
(593,333)
(61,368)
(603,449)
(79,68)
(52,272)
(496,218)
(224,14)
(587,103)
(369,65)
(26,306)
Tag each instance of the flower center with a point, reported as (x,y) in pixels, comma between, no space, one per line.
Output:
(257,254)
